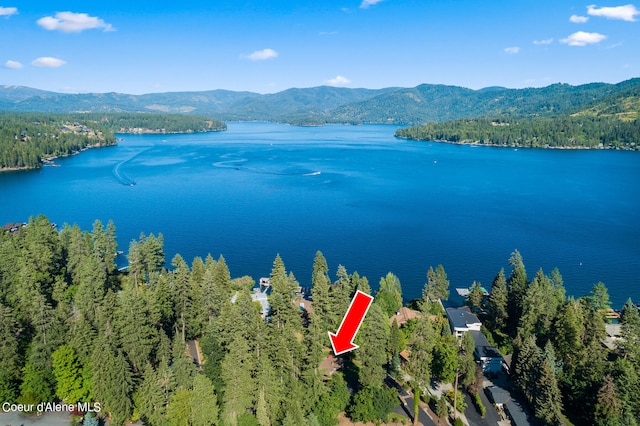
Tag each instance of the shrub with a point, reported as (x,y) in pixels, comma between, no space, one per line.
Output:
(479,405)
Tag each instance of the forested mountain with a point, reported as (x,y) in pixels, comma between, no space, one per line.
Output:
(572,121)
(73,328)
(318,105)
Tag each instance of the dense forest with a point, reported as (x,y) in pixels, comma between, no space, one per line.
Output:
(583,131)
(28,138)
(75,328)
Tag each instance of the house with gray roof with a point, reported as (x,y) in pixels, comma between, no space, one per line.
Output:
(485,354)
(462,320)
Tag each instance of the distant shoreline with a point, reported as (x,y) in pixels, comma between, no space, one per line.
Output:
(495,145)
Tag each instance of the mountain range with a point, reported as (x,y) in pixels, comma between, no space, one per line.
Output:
(324,104)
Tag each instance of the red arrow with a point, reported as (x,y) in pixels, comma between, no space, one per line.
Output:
(342,341)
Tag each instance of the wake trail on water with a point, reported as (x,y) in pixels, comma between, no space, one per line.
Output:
(237,165)
(120,176)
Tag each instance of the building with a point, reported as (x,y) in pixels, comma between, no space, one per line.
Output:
(486,355)
(260,297)
(508,406)
(403,315)
(462,321)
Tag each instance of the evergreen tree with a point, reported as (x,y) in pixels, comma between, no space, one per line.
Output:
(133,322)
(475,298)
(111,378)
(498,302)
(374,338)
(150,399)
(182,293)
(547,401)
(9,354)
(437,285)
(539,307)
(320,291)
(182,366)
(204,404)
(608,408)
(421,357)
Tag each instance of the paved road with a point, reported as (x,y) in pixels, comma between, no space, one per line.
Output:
(49,419)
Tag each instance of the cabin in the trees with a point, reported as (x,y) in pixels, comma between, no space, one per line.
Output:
(462,321)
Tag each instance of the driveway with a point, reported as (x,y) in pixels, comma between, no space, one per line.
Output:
(491,417)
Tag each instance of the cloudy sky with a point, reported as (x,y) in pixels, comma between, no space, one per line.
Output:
(268,46)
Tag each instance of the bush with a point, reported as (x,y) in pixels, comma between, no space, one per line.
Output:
(479,405)
(458,422)
(441,408)
(459,400)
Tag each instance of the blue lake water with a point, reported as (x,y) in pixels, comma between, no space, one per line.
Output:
(365,199)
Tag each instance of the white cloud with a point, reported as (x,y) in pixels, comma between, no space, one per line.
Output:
(337,81)
(625,13)
(8,11)
(13,65)
(48,62)
(582,38)
(512,50)
(577,19)
(366,3)
(261,55)
(543,42)
(70,22)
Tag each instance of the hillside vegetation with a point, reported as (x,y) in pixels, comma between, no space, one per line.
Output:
(610,122)
(318,105)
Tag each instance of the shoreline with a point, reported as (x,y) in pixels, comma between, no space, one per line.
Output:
(495,145)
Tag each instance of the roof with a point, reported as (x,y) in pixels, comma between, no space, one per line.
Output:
(517,413)
(483,347)
(404,314)
(501,396)
(498,395)
(462,318)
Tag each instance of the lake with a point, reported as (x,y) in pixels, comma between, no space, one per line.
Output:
(367,200)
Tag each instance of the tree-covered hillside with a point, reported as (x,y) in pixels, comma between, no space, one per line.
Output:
(319,105)
(580,131)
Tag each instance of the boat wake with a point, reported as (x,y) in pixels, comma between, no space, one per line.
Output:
(239,165)
(120,176)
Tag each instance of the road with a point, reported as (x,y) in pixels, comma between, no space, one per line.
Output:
(490,418)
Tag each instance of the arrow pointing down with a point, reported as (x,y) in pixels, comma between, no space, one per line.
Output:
(342,341)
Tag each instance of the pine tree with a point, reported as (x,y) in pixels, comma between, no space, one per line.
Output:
(547,400)
(204,403)
(475,298)
(111,378)
(320,291)
(182,366)
(241,387)
(437,285)
(374,338)
(608,408)
(9,355)
(133,322)
(182,294)
(150,399)
(517,288)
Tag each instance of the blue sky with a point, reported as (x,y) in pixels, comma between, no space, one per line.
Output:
(143,47)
